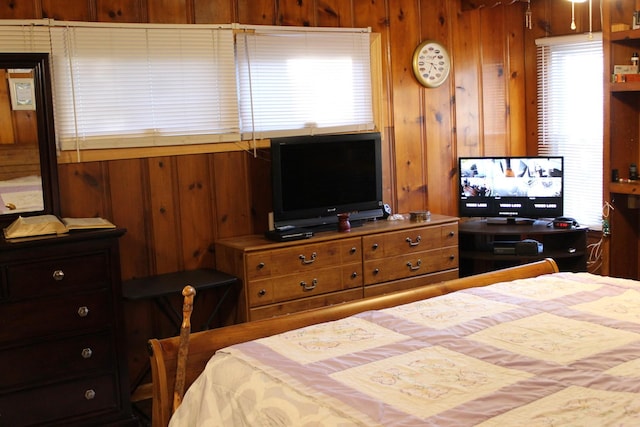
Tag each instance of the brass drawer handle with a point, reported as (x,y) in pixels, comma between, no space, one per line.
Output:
(411,242)
(414,267)
(310,287)
(58,275)
(90,394)
(83,311)
(304,259)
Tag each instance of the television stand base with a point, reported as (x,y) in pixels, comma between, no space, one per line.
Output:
(510,221)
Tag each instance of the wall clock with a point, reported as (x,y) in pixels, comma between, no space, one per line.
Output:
(431,63)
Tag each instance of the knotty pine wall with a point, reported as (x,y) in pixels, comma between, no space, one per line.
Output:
(175,206)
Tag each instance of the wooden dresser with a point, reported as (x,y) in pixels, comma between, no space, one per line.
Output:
(333,267)
(62,355)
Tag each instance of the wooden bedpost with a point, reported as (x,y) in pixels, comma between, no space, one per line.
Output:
(183,348)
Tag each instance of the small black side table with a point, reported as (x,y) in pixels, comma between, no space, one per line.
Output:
(161,287)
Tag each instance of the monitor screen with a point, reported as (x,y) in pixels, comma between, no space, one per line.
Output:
(528,187)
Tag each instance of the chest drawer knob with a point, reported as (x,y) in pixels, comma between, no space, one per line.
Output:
(414,267)
(311,260)
(374,246)
(83,311)
(353,251)
(452,233)
(58,275)
(412,242)
(87,353)
(261,266)
(376,271)
(90,394)
(308,287)
(354,274)
(262,292)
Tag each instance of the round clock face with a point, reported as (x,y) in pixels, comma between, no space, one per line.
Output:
(431,63)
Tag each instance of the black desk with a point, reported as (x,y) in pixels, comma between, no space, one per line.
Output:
(161,287)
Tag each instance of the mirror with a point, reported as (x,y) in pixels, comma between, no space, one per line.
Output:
(28,168)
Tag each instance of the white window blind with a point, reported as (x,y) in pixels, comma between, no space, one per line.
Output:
(300,82)
(570,118)
(24,36)
(137,85)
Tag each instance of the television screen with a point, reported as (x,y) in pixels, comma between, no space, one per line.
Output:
(314,178)
(525,187)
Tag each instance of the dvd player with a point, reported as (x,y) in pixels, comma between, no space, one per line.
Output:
(288,234)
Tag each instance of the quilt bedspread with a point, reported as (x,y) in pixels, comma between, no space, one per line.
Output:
(556,350)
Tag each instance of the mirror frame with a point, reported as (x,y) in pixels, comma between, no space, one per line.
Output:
(39,62)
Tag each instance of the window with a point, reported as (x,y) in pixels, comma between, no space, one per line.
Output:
(143,85)
(301,83)
(137,86)
(570,118)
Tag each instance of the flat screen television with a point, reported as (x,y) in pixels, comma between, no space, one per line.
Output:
(511,187)
(314,178)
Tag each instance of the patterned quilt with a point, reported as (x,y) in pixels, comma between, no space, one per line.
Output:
(557,350)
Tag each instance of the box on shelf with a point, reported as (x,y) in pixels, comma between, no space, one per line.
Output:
(625,69)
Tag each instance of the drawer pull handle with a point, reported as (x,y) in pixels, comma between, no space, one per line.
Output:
(411,242)
(353,250)
(87,353)
(262,292)
(310,287)
(374,246)
(452,257)
(416,267)
(58,275)
(304,259)
(261,266)
(89,394)
(354,274)
(376,270)
(452,233)
(83,311)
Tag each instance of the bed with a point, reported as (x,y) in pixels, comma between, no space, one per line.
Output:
(520,346)
(23,194)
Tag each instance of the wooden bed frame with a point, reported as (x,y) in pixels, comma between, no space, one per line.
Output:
(170,360)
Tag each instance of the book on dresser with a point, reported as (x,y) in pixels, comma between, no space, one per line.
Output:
(41,225)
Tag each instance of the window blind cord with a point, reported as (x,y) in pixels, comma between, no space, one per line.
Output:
(70,55)
(253,120)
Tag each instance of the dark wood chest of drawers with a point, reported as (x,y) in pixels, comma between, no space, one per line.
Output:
(62,355)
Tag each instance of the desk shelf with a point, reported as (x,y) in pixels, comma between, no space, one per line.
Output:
(568,247)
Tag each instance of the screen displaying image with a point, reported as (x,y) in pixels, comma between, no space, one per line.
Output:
(511,186)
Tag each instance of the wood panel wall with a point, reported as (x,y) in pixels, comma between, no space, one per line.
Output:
(174,207)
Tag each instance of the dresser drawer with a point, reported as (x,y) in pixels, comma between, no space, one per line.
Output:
(63,358)
(303,285)
(302,304)
(56,404)
(409,265)
(54,276)
(403,242)
(301,258)
(35,318)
